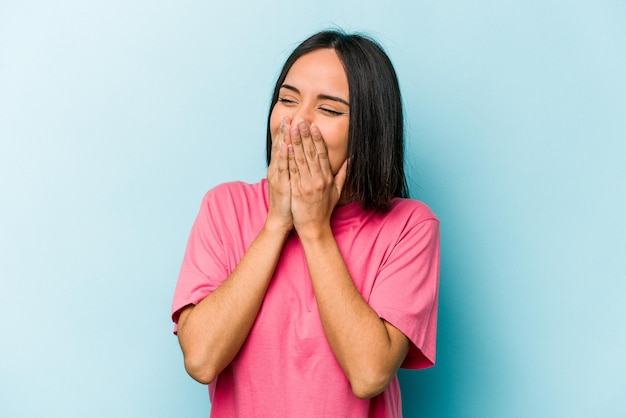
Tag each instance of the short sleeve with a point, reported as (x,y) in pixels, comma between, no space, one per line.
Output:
(406,290)
(203,267)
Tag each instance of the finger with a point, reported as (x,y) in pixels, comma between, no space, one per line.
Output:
(280,136)
(298,157)
(321,152)
(286,125)
(294,172)
(283,167)
(308,147)
(283,163)
(277,139)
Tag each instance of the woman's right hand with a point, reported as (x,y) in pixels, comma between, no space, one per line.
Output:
(212,332)
(279,216)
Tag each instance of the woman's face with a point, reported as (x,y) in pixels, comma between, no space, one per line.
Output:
(316,91)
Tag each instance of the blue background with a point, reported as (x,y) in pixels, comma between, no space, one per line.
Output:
(117,116)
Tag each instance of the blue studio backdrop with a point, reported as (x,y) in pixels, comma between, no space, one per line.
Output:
(117,116)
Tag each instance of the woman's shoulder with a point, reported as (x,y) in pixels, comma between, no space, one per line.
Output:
(237,189)
(415,210)
(411,221)
(230,202)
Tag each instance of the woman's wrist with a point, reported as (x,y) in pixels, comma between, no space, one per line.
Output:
(315,234)
(276,228)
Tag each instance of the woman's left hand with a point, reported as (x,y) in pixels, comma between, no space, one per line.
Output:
(315,191)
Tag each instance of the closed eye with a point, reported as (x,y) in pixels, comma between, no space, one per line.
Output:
(331,112)
(285,100)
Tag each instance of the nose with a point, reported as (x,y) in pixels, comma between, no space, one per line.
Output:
(302,113)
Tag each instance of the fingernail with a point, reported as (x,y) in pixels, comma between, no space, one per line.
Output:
(314,129)
(282,123)
(295,132)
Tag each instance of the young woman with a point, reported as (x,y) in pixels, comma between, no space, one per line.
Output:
(302,295)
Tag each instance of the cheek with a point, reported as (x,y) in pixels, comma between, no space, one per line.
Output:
(336,138)
(275,119)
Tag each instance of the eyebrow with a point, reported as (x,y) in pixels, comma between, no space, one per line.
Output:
(320,96)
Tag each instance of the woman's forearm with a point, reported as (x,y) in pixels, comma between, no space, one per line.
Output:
(212,332)
(369,349)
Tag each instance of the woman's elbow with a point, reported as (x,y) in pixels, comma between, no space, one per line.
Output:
(199,370)
(369,385)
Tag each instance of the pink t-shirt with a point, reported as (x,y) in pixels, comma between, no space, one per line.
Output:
(286,367)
